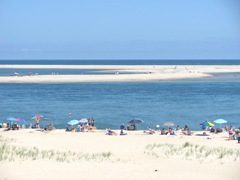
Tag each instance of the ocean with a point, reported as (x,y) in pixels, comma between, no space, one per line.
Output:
(111,104)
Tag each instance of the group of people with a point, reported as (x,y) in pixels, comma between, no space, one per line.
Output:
(234,134)
(111,132)
(170,131)
(82,127)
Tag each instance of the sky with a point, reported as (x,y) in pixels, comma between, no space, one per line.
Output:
(119,29)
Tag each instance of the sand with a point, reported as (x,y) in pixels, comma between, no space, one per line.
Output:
(131,156)
(141,73)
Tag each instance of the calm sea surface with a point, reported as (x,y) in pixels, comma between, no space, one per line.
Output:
(111,104)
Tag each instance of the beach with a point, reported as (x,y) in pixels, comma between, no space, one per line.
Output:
(59,154)
(137,73)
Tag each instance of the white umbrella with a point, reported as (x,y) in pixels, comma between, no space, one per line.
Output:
(168,124)
(84,120)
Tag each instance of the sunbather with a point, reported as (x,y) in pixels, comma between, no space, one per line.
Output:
(171,131)
(122,133)
(149,131)
(110,132)
(188,132)
(163,132)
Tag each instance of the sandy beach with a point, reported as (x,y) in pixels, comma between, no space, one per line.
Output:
(141,73)
(35,154)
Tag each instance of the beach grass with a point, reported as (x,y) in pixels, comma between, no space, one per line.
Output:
(11,153)
(190,151)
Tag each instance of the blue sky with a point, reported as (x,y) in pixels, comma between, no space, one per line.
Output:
(120,29)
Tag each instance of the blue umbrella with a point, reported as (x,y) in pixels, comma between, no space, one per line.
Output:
(135,121)
(73,122)
(21,120)
(220,121)
(12,119)
(40,117)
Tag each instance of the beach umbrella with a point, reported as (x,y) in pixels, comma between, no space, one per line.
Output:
(21,120)
(12,119)
(83,120)
(135,121)
(38,117)
(73,122)
(207,123)
(168,124)
(220,121)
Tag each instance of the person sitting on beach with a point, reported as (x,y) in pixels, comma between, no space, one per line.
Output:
(218,130)
(122,133)
(131,127)
(171,131)
(163,132)
(110,132)
(188,132)
(178,128)
(211,129)
(49,127)
(149,131)
(69,128)
(185,128)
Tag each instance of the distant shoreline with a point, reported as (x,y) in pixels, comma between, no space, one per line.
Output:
(141,73)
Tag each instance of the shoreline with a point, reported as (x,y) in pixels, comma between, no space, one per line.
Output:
(141,73)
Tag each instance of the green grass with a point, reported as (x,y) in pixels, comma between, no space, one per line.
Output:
(11,153)
(191,151)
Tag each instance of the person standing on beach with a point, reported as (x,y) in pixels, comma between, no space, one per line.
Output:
(37,124)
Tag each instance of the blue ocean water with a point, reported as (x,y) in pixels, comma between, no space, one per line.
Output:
(124,62)
(111,104)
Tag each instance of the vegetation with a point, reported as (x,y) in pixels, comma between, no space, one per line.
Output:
(10,153)
(190,151)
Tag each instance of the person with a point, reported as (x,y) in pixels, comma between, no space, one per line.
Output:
(49,127)
(163,132)
(186,131)
(231,133)
(212,130)
(171,131)
(130,127)
(185,128)
(122,133)
(37,124)
(218,130)
(177,128)
(69,128)
(238,135)
(110,132)
(149,131)
(92,122)
(226,128)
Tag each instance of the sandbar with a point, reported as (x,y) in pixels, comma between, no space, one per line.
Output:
(138,73)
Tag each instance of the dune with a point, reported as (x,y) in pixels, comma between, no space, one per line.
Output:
(34,154)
